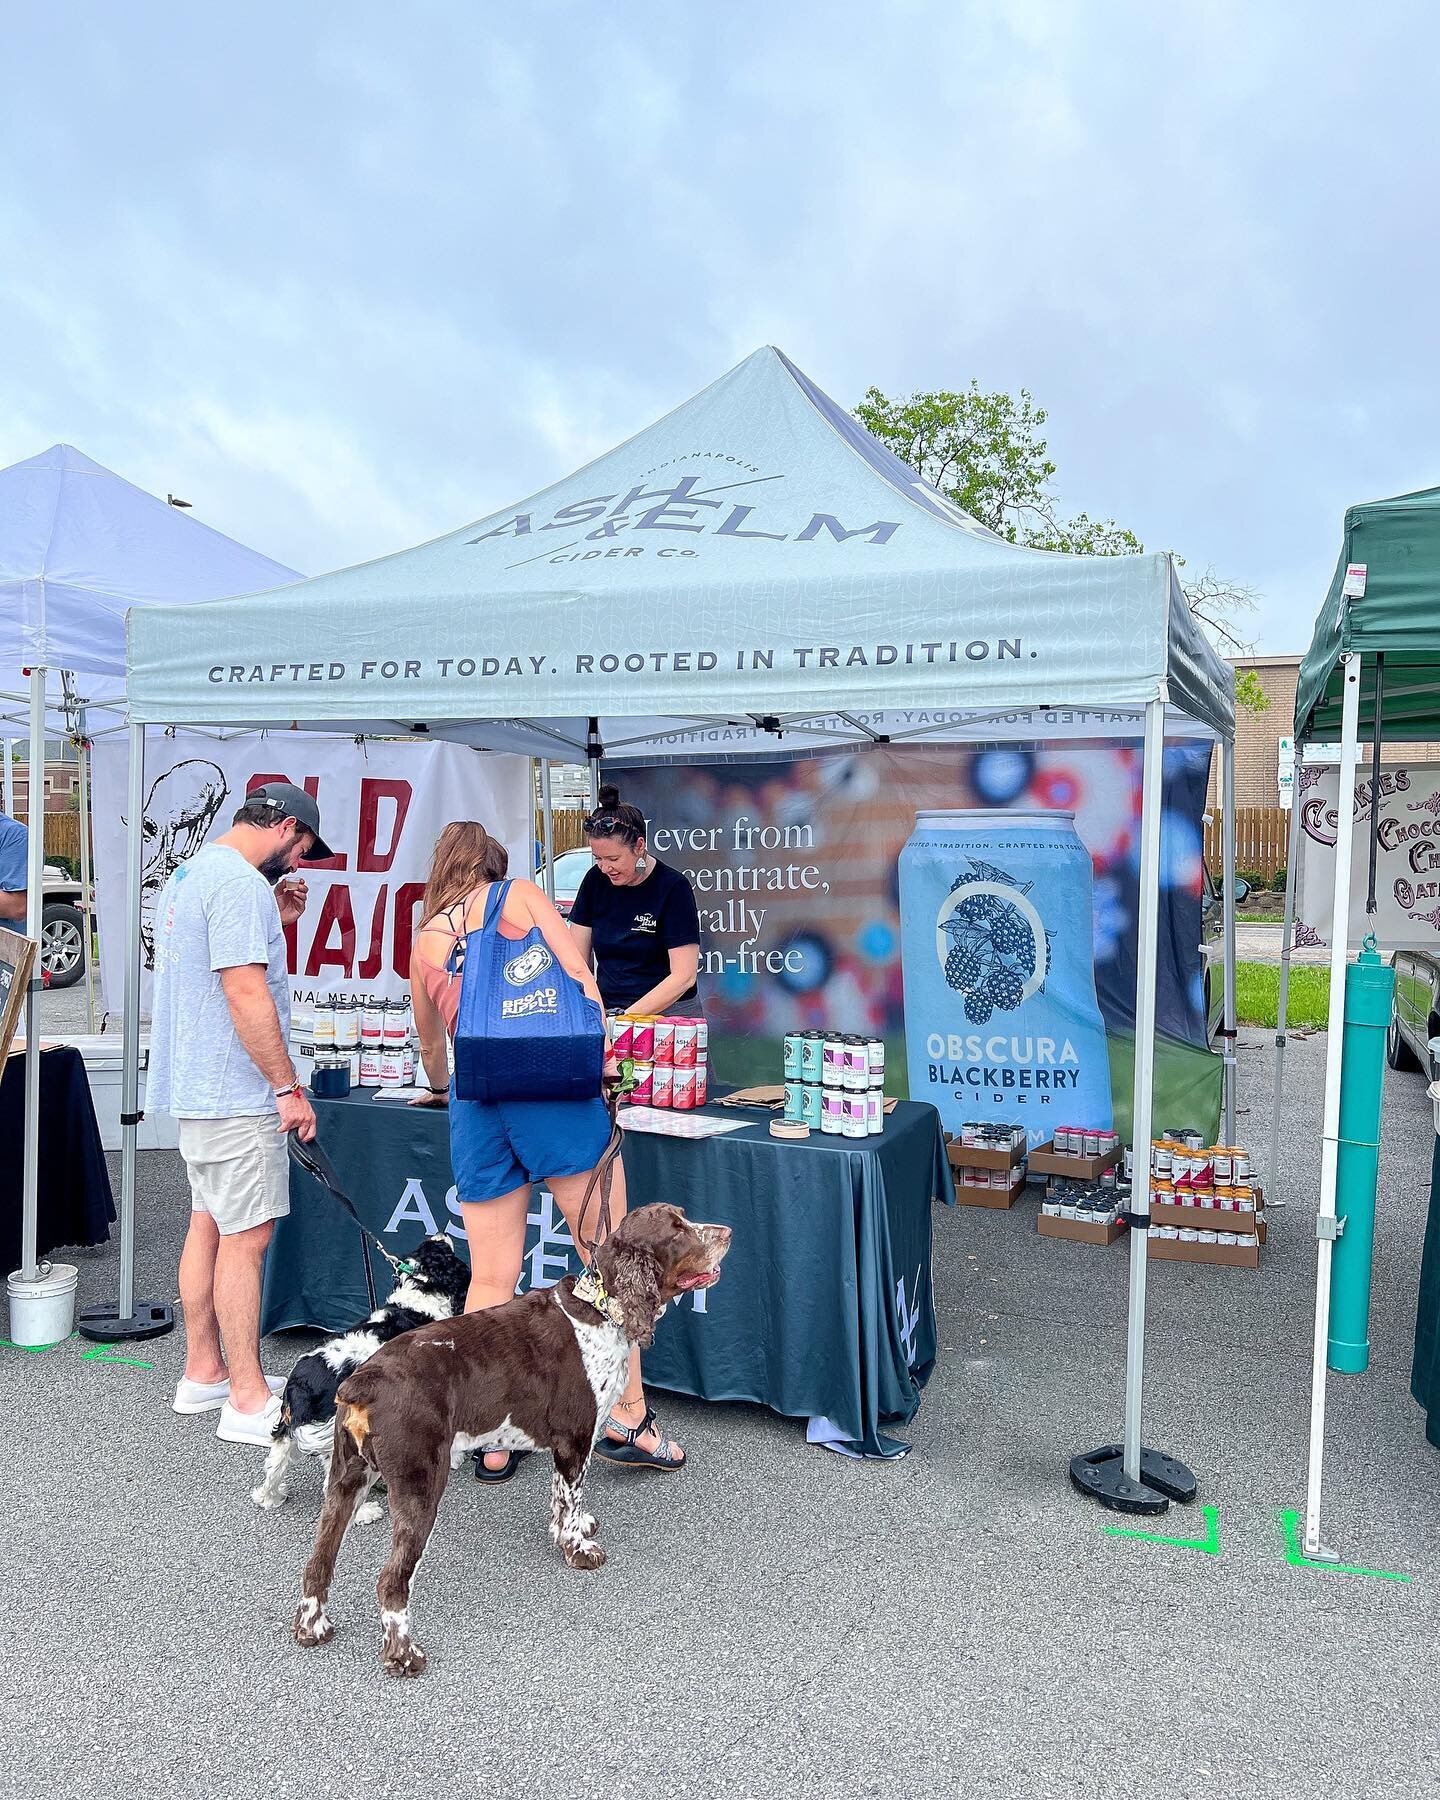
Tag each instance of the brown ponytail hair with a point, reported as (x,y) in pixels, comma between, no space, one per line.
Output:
(465,857)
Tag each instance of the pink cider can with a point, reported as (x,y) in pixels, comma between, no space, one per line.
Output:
(686,1042)
(642,1040)
(664,1043)
(643,1091)
(683,1090)
(662,1085)
(702,1083)
(622,1035)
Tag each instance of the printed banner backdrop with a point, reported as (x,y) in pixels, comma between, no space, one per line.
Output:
(382,806)
(1407,862)
(795,864)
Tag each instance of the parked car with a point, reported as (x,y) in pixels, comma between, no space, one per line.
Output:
(62,930)
(570,871)
(1415,1011)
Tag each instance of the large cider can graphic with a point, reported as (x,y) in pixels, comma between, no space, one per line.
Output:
(1001,1019)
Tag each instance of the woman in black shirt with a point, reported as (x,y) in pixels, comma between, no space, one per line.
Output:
(637,917)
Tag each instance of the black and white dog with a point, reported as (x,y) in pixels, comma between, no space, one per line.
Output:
(433,1288)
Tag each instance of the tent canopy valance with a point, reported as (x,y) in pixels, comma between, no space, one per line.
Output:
(1398,615)
(752,558)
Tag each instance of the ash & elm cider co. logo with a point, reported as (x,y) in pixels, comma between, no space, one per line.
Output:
(684,507)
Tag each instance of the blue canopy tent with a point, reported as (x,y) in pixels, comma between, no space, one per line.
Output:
(79,548)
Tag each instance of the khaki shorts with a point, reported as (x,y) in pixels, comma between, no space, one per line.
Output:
(239,1170)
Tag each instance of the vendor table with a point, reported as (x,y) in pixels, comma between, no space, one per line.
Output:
(1425,1370)
(75,1202)
(824,1309)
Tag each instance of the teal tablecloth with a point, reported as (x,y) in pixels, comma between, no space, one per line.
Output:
(1425,1370)
(825,1309)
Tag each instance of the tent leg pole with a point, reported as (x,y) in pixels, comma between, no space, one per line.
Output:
(1330,1130)
(1130,1478)
(1273,1196)
(547,820)
(1227,901)
(82,753)
(34,928)
(127,1321)
(9,777)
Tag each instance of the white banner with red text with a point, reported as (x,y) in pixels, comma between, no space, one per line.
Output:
(382,806)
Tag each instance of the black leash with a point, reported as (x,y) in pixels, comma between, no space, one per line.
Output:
(313,1160)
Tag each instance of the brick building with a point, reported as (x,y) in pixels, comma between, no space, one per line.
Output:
(1258,734)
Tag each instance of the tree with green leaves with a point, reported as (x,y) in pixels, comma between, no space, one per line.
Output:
(986,453)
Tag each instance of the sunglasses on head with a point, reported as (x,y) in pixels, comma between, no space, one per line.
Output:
(602,824)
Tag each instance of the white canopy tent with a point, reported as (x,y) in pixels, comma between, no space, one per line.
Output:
(753,573)
(79,548)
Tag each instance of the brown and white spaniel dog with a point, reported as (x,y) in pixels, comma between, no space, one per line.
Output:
(539,1373)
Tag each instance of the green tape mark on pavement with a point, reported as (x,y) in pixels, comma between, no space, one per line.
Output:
(1209,1545)
(101,1354)
(33,1349)
(1297,1559)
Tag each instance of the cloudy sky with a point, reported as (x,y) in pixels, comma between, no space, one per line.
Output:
(347,277)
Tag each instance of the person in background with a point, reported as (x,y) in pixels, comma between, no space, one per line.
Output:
(637,917)
(220,1066)
(14,869)
(498,1148)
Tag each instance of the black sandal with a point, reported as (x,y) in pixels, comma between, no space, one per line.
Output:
(512,1463)
(628,1451)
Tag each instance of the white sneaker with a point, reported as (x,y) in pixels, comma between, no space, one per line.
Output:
(248,1428)
(210,1396)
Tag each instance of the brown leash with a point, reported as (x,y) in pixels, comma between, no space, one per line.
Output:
(604,1171)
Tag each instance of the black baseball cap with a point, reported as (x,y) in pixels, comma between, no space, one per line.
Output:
(290,802)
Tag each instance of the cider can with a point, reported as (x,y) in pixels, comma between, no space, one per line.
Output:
(686,1040)
(662,1083)
(682,1090)
(663,1043)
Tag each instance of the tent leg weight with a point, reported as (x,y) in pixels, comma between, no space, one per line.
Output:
(1102,1476)
(103,1324)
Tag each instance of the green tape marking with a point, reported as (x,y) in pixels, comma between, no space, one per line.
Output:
(101,1354)
(1209,1545)
(32,1349)
(1290,1530)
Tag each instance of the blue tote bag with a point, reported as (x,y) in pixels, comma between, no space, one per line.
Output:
(525,1030)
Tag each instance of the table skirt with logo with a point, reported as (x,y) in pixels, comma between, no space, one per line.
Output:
(824,1310)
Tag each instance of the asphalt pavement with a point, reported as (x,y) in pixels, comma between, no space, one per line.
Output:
(776,1620)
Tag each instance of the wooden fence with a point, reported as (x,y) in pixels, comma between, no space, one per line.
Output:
(1261,839)
(62,837)
(566,826)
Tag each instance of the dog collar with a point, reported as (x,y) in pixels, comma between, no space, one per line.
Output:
(591,1289)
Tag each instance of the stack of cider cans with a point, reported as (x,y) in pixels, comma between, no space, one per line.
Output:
(835,1083)
(671,1057)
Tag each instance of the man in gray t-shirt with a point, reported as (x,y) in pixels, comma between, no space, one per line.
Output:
(220,1065)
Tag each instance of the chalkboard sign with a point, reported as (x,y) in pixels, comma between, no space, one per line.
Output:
(17,958)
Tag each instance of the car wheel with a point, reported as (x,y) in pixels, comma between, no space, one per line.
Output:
(1398,1053)
(62,945)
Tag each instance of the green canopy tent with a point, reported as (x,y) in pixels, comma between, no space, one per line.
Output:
(1372,671)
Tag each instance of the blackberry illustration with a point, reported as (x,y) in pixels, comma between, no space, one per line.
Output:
(995,942)
(1009,933)
(979,909)
(1004,988)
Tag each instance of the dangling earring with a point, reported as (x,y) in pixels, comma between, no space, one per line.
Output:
(640,865)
